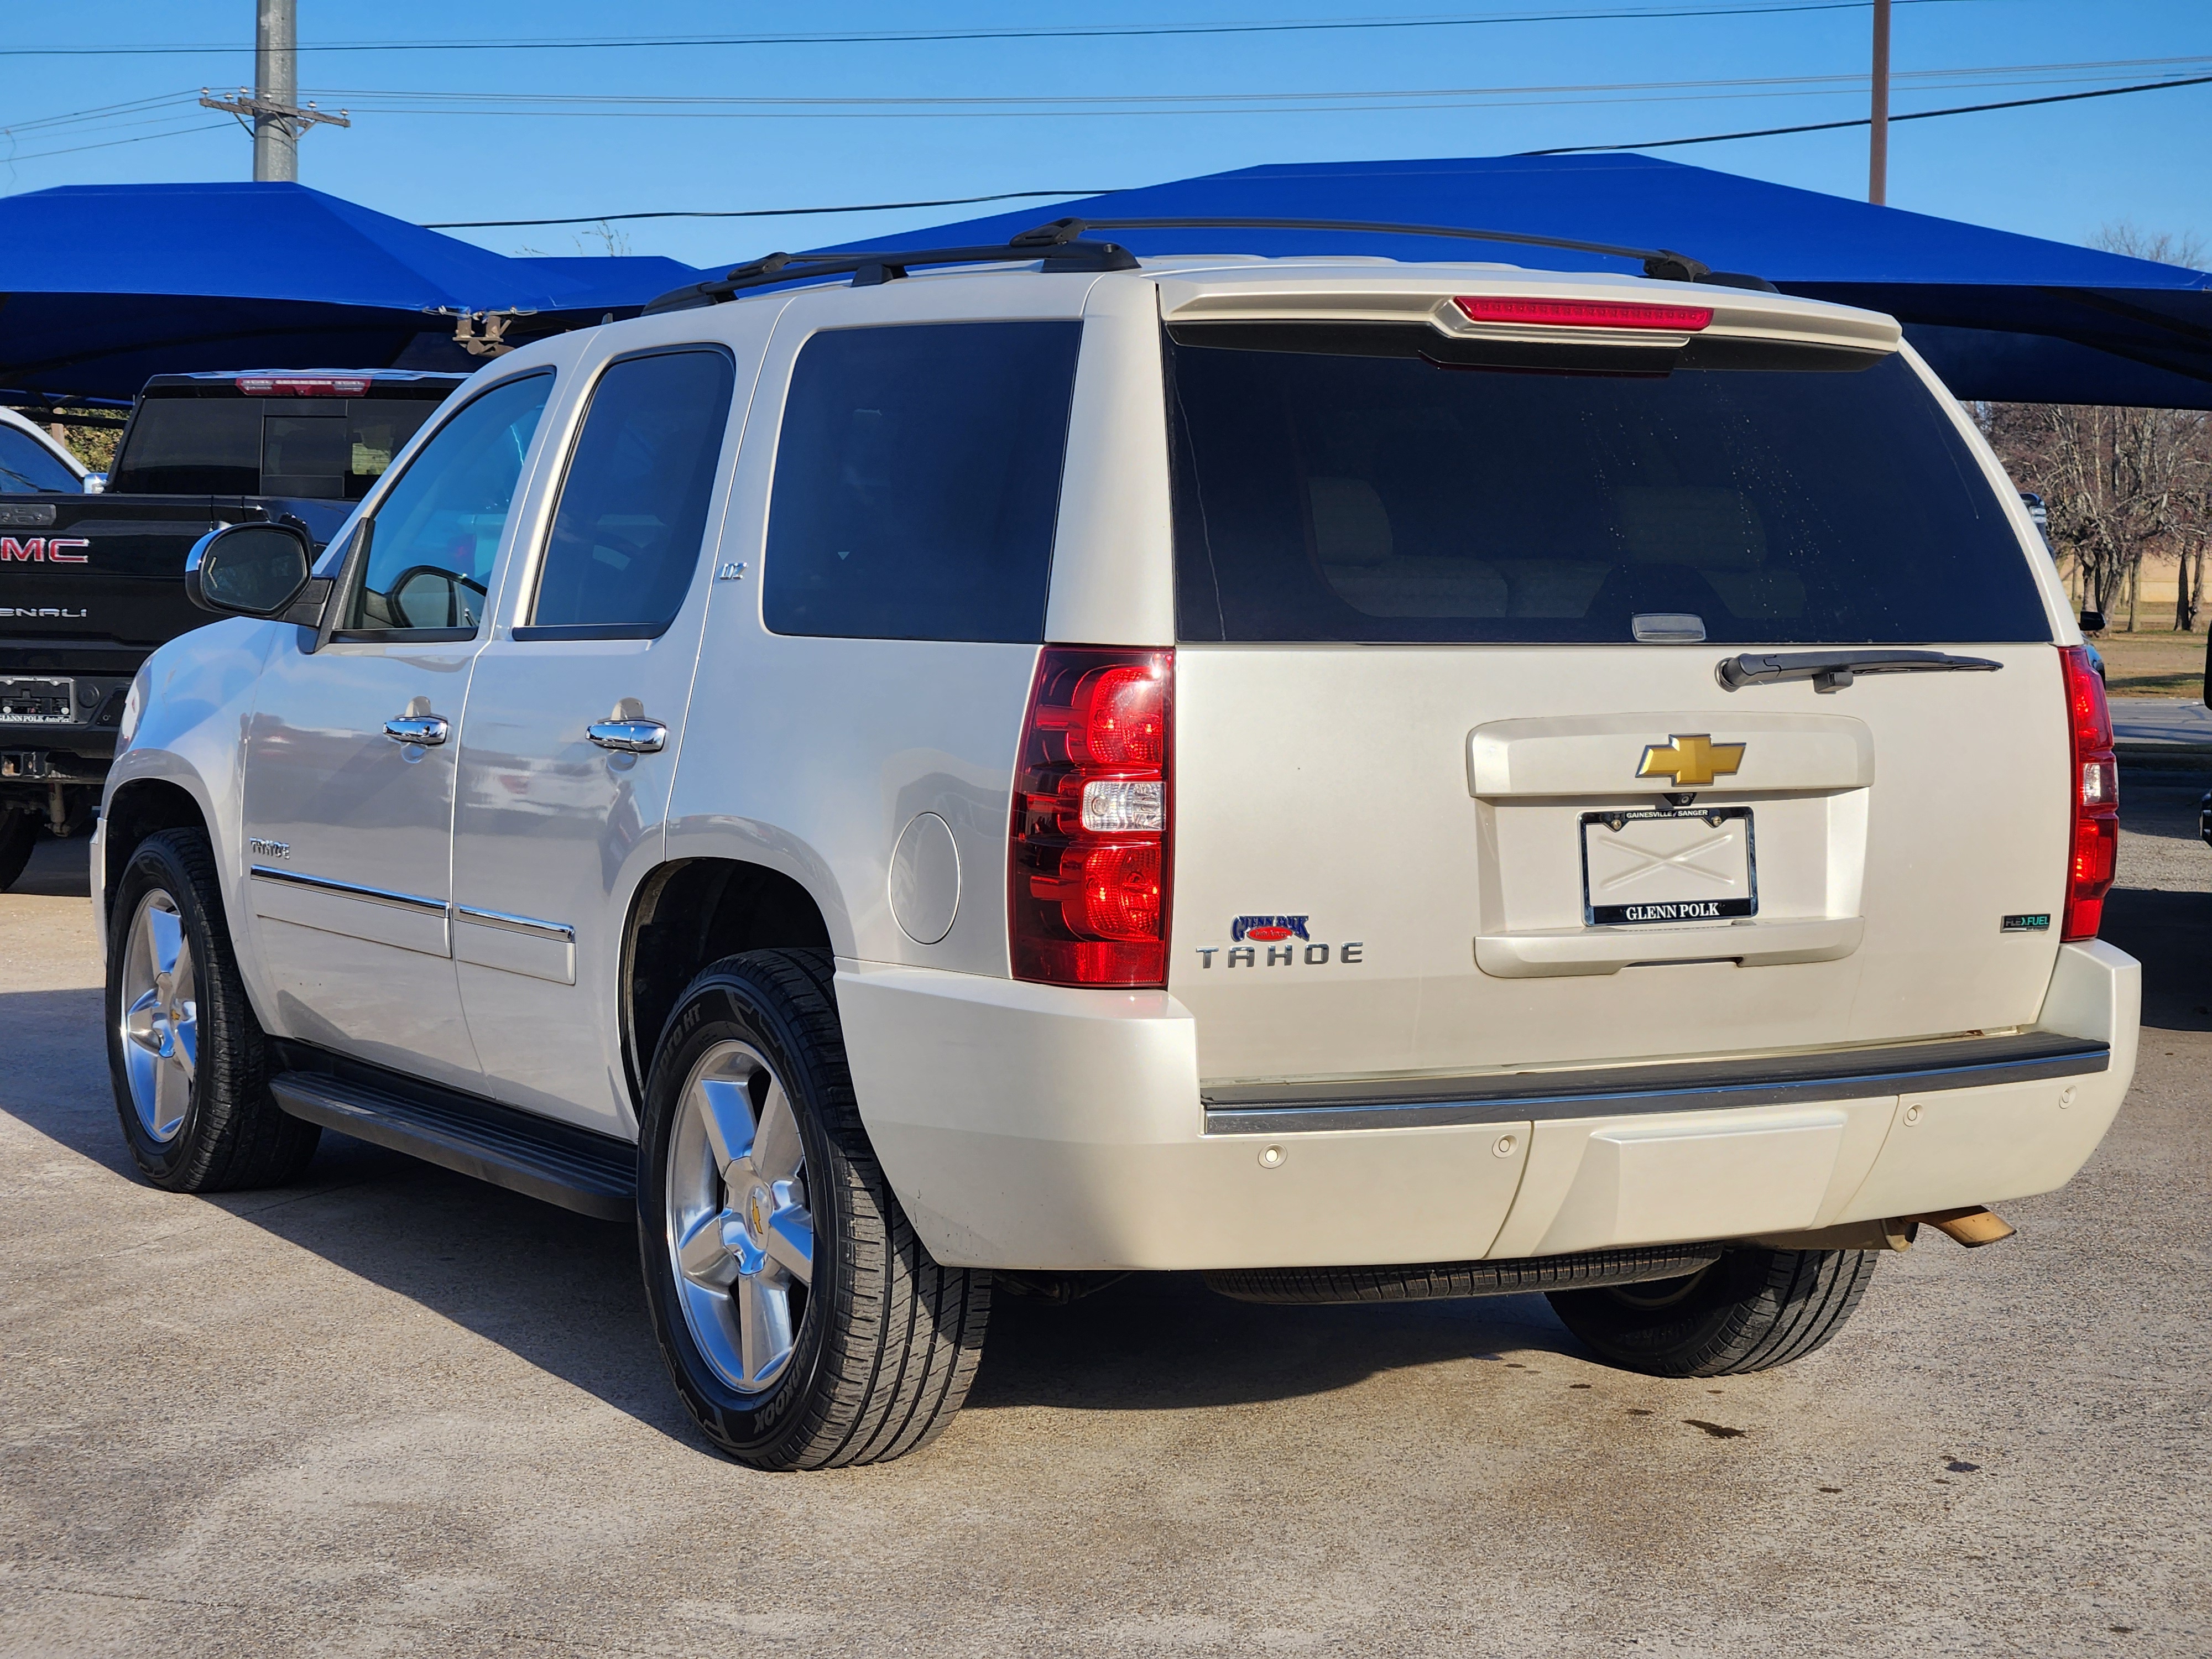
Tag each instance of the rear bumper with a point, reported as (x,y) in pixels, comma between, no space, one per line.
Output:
(1026,1126)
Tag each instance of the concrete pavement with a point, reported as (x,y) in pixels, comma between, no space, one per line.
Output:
(392,1411)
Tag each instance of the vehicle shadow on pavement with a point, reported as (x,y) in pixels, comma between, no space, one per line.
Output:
(1164,1342)
(557,1290)
(2171,934)
(563,1293)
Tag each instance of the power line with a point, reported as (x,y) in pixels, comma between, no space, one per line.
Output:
(758,213)
(110,143)
(531,104)
(1069,32)
(1831,126)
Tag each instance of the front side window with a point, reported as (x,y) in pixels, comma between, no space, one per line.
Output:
(1330,492)
(28,467)
(437,532)
(632,509)
(917,482)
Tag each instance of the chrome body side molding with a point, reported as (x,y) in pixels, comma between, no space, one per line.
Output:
(515,944)
(407,921)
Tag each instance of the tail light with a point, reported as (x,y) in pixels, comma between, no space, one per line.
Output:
(1088,884)
(2095,785)
(1584,313)
(302,386)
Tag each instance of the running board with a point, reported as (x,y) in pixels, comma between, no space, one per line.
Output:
(593,1175)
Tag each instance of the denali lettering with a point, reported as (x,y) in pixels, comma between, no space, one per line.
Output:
(63,612)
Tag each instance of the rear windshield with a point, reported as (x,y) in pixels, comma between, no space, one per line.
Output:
(1327,494)
(319,448)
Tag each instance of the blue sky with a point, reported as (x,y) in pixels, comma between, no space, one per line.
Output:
(442,133)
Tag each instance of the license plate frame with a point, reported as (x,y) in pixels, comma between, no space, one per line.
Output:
(1739,901)
(56,687)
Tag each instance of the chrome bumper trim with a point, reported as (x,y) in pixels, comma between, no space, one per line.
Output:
(1630,1091)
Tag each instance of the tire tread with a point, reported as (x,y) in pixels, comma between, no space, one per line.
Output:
(902,1350)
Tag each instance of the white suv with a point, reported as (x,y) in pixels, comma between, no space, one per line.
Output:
(1362,779)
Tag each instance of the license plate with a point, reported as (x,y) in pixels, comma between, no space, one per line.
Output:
(1652,867)
(27,700)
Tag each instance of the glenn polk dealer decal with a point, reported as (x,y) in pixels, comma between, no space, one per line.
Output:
(1287,940)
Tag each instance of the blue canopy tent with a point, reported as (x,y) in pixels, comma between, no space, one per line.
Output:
(1998,315)
(103,285)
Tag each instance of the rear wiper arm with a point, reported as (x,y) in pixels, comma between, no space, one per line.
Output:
(1832,670)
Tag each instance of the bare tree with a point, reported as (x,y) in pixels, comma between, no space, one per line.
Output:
(2120,485)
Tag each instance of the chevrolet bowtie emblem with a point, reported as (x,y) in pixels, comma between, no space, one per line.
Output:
(1692,761)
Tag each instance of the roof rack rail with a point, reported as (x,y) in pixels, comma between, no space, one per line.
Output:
(1664,264)
(1064,252)
(1063,248)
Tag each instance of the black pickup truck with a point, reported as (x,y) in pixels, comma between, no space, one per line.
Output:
(91,584)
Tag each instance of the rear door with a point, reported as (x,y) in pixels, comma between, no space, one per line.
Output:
(1460,786)
(574,721)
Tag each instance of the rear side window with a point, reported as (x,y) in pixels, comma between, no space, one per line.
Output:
(1324,494)
(27,466)
(917,482)
(632,507)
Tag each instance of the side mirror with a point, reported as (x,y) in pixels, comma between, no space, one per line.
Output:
(247,570)
(2093,622)
(95,483)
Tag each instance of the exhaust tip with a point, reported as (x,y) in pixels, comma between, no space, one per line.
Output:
(1973,1226)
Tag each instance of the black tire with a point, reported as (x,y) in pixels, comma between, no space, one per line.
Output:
(18,834)
(886,1342)
(232,1134)
(1752,1310)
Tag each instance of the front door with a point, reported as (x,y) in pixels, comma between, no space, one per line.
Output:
(575,719)
(350,757)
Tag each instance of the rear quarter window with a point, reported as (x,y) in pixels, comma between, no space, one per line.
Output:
(1329,494)
(917,482)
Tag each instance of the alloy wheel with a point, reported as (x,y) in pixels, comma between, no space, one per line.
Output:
(161,1017)
(741,1233)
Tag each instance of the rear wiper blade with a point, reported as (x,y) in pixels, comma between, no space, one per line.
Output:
(1832,670)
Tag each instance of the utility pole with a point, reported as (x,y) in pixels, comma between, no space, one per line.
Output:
(276,83)
(278,118)
(1878,131)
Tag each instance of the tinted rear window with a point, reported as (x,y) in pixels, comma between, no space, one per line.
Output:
(917,481)
(1323,495)
(316,448)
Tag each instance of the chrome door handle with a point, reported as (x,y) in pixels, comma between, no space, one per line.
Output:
(425,729)
(629,737)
